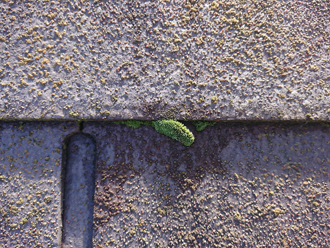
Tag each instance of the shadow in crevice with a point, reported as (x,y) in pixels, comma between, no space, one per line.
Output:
(78,184)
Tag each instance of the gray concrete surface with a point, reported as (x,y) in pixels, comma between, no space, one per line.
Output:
(30,183)
(192,59)
(238,185)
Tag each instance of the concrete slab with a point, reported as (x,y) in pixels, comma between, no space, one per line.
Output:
(30,185)
(243,60)
(243,185)
(238,184)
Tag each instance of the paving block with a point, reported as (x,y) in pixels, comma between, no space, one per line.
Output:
(30,182)
(238,184)
(243,185)
(208,59)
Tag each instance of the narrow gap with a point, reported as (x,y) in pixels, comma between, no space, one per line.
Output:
(80,126)
(78,184)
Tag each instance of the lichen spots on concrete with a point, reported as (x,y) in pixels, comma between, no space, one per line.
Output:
(30,185)
(211,59)
(246,183)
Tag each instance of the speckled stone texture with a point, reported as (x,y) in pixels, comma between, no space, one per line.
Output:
(183,59)
(79,185)
(242,185)
(30,183)
(239,184)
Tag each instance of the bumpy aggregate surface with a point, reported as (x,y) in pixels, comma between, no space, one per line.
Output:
(30,185)
(190,59)
(255,185)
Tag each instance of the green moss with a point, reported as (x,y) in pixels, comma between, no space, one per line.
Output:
(134,123)
(201,125)
(174,129)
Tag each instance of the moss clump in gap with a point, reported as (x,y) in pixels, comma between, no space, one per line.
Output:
(171,128)
(134,123)
(174,129)
(325,124)
(201,125)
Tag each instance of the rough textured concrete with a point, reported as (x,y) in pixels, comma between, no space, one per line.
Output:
(190,59)
(237,185)
(78,192)
(30,185)
(244,185)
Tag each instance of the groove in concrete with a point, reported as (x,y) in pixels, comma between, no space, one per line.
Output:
(78,176)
